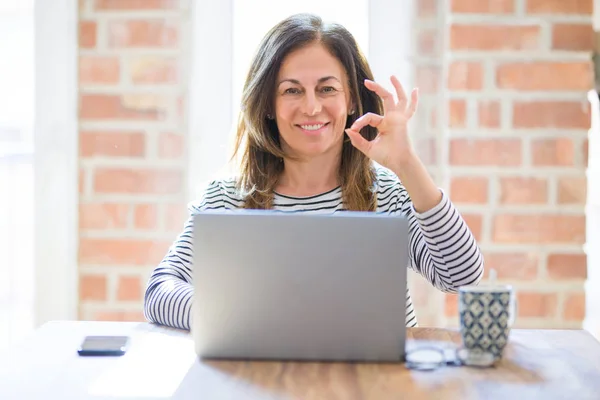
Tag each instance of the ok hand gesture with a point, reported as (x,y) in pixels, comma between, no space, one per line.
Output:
(392,147)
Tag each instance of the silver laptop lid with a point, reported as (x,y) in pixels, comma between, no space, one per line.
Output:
(272,285)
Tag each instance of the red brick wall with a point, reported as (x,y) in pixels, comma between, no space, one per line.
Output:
(132,155)
(428,133)
(510,80)
(502,125)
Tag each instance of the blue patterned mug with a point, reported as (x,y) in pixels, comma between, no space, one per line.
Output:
(486,315)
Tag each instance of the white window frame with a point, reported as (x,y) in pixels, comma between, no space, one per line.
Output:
(56,161)
(210,118)
(210,95)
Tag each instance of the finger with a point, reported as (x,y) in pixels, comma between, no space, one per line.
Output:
(414,101)
(388,99)
(359,142)
(399,92)
(371,119)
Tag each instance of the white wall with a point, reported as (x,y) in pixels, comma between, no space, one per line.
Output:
(56,160)
(16,68)
(16,170)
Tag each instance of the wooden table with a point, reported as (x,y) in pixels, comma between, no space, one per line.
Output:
(161,364)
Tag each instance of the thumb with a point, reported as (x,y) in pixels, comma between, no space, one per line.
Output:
(359,141)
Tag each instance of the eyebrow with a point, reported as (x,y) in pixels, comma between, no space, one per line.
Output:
(297,82)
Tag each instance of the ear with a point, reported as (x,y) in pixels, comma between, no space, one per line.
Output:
(352,108)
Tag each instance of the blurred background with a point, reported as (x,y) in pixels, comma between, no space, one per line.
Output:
(114,112)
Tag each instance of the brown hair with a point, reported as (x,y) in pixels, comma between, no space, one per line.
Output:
(258,137)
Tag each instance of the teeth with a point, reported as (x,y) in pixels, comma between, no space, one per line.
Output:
(312,127)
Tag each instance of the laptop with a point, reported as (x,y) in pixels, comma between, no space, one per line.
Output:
(281,286)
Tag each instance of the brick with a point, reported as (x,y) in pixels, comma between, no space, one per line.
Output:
(469,190)
(427,79)
(176,216)
(103,216)
(465,76)
(145,216)
(98,70)
(451,305)
(420,292)
(485,152)
(92,287)
(572,190)
(427,8)
(533,304)
(81,181)
(129,288)
(135,5)
(567,266)
(434,117)
(170,145)
(539,229)
(489,113)
(523,190)
(536,76)
(120,316)
(553,152)
(512,266)
(494,37)
(153,70)
(458,113)
(143,107)
(574,307)
(112,144)
(143,33)
(551,114)
(573,37)
(427,42)
(121,251)
(475,224)
(482,6)
(87,34)
(138,181)
(560,7)
(585,152)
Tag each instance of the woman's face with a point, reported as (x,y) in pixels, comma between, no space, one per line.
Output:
(311,102)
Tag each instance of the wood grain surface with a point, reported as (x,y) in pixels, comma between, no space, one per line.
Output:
(538,364)
(162,364)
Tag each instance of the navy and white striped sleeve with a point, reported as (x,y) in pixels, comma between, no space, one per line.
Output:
(442,247)
(169,292)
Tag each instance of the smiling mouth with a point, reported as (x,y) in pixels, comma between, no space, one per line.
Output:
(312,128)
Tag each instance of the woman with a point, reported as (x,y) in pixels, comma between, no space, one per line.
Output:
(316,134)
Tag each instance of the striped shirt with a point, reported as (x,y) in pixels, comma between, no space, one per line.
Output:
(441,247)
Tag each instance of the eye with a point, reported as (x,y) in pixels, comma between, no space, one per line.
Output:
(328,89)
(292,91)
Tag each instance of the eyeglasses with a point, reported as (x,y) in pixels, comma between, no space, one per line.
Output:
(429,358)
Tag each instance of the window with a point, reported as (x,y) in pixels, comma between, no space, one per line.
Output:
(16,170)
(381,28)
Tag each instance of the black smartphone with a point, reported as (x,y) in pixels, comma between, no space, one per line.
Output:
(104,346)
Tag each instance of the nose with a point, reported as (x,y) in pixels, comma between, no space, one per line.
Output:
(312,104)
